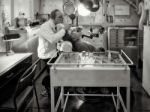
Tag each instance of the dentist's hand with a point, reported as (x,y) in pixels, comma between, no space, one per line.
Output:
(60,26)
(67,27)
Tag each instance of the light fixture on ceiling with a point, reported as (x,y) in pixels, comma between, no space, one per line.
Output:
(82,10)
(92,5)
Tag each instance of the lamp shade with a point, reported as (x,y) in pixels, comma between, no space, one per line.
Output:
(82,10)
(92,5)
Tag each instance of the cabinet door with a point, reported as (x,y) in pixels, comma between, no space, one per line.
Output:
(146,60)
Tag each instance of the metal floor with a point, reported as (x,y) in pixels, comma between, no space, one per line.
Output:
(141,100)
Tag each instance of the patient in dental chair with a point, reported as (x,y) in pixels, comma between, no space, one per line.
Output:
(74,36)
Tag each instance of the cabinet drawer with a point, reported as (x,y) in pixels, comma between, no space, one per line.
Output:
(120,33)
(113,41)
(120,40)
(113,37)
(116,45)
(113,32)
(117,40)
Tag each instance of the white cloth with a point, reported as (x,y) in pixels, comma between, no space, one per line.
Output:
(66,46)
(48,37)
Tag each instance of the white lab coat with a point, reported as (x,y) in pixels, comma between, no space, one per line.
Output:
(48,37)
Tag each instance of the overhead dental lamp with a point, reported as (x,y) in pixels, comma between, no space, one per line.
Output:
(82,10)
(91,5)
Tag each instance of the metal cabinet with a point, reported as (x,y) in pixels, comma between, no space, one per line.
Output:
(146,60)
(12,67)
(115,38)
(125,38)
(121,37)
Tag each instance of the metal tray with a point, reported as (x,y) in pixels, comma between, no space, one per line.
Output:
(95,59)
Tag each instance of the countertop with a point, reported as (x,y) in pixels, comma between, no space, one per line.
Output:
(8,62)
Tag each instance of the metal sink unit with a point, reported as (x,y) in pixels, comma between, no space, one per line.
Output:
(101,69)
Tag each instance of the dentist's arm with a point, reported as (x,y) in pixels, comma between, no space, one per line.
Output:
(48,33)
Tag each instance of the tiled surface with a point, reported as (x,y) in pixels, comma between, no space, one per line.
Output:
(141,100)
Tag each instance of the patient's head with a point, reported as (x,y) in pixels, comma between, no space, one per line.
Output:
(75,33)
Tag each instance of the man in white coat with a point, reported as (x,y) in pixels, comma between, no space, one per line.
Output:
(48,38)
